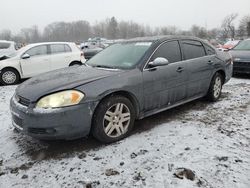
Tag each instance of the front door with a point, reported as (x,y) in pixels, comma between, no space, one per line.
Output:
(165,85)
(38,61)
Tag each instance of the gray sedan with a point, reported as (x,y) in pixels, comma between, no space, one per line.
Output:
(126,81)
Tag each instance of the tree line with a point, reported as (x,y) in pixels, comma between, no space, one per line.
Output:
(111,28)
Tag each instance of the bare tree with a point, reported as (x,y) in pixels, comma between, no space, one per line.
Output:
(243,26)
(199,31)
(5,35)
(112,28)
(248,29)
(228,28)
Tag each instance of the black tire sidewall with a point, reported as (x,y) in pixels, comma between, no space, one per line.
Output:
(12,70)
(97,123)
(210,95)
(75,64)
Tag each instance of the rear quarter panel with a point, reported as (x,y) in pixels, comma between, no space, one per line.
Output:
(226,64)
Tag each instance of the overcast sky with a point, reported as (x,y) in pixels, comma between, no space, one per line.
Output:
(17,14)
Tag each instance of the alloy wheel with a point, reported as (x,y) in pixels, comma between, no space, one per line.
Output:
(9,77)
(116,120)
(217,87)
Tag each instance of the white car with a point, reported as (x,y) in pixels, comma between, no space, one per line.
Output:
(37,58)
(7,47)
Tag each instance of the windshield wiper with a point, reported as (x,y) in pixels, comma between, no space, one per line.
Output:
(104,66)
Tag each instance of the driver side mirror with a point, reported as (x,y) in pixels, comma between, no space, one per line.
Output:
(159,61)
(25,56)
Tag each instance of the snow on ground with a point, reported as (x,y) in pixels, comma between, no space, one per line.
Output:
(211,139)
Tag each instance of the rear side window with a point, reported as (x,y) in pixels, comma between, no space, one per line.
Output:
(57,48)
(4,45)
(192,49)
(38,50)
(67,48)
(169,50)
(209,50)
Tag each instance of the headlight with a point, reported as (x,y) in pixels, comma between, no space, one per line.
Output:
(60,99)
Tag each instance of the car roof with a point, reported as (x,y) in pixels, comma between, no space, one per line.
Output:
(160,38)
(47,43)
(6,41)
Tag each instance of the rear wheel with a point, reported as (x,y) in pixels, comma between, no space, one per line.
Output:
(113,119)
(9,76)
(215,87)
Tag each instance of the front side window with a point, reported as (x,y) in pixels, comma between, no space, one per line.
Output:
(4,45)
(192,49)
(169,50)
(38,50)
(120,55)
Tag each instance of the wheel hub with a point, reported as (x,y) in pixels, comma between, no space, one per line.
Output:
(116,120)
(9,77)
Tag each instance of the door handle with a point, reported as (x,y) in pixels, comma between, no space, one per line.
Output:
(179,69)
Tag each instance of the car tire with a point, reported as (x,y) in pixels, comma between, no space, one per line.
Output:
(75,64)
(9,76)
(113,119)
(214,91)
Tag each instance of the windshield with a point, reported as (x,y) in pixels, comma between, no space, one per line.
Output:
(120,56)
(244,45)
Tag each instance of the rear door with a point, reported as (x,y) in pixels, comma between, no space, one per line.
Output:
(165,85)
(38,62)
(60,56)
(199,65)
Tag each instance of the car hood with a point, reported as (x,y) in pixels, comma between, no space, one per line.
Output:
(243,55)
(62,79)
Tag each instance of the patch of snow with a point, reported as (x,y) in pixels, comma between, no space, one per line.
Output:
(211,139)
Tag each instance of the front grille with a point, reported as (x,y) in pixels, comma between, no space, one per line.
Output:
(243,64)
(241,67)
(48,131)
(37,130)
(23,101)
(18,121)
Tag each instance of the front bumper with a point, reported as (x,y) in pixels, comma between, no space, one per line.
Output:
(62,123)
(241,67)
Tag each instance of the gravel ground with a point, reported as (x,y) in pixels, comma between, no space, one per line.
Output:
(198,144)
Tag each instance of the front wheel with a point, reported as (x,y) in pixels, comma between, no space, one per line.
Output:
(215,88)
(9,77)
(113,119)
